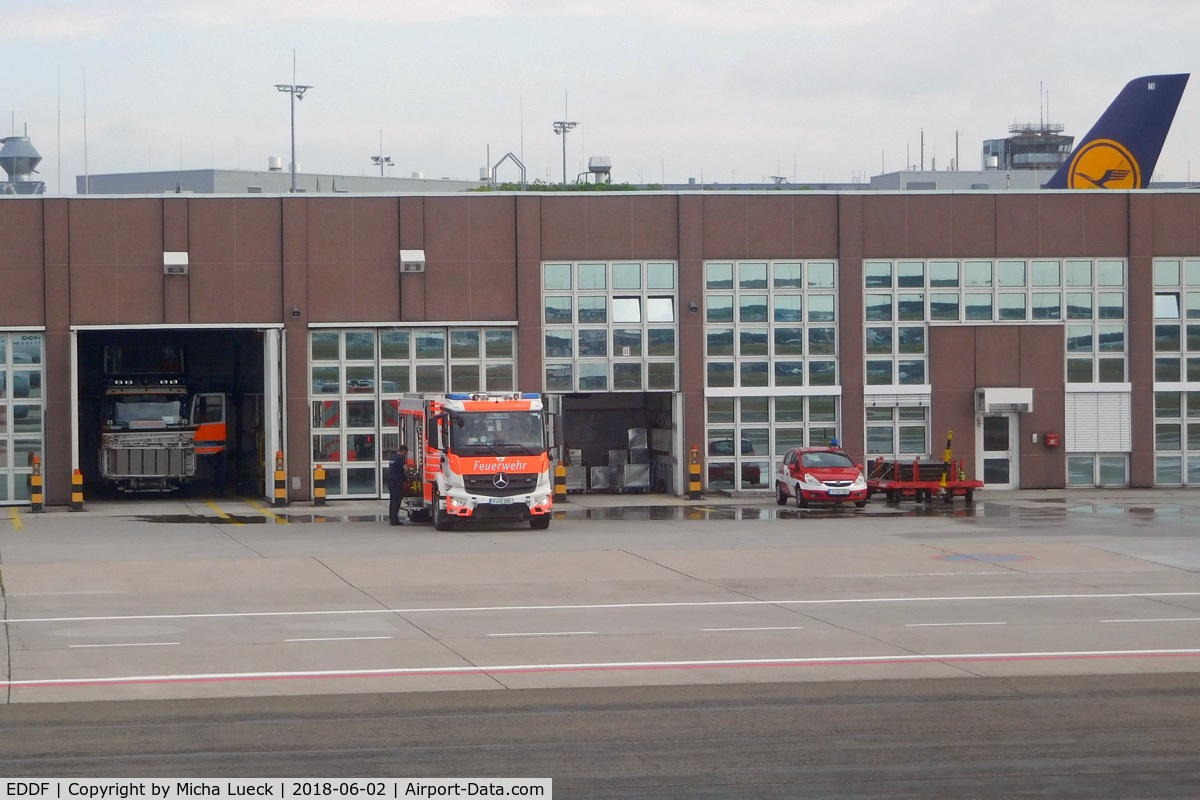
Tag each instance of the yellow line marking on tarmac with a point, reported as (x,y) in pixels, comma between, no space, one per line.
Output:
(221,513)
(16,518)
(263,510)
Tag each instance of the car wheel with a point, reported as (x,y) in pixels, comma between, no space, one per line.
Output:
(860,503)
(780,497)
(800,501)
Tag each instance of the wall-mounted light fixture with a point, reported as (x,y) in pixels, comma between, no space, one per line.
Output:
(412,260)
(175,262)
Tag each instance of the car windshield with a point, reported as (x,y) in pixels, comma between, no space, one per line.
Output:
(826,459)
(501,432)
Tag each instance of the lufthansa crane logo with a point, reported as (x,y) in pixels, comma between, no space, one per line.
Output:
(1104,164)
(500,480)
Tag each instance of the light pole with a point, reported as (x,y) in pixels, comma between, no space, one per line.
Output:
(381,160)
(561,129)
(297,93)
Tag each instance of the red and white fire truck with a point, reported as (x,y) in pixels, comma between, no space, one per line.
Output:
(477,456)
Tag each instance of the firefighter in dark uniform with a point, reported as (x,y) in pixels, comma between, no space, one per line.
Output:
(397,484)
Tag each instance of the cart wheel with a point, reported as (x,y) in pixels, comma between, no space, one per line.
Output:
(892,497)
(948,497)
(780,497)
(970,496)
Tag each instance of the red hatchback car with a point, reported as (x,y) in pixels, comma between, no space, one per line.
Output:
(820,474)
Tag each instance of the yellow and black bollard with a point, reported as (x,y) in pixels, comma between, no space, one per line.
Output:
(694,475)
(36,499)
(319,486)
(280,480)
(560,481)
(77,491)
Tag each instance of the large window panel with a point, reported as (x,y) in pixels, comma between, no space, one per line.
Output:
(627,276)
(360,345)
(752,275)
(592,277)
(626,310)
(720,374)
(978,307)
(660,309)
(719,341)
(660,275)
(556,277)
(394,345)
(752,308)
(788,275)
(593,376)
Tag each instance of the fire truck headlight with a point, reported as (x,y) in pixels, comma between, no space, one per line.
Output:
(457,502)
(541,499)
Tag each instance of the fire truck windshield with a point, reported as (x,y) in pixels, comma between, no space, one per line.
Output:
(503,432)
(141,408)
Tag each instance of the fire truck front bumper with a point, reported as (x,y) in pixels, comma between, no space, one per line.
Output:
(520,507)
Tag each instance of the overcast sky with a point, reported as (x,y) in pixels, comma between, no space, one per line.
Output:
(727,91)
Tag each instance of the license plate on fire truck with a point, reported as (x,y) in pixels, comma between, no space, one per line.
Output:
(501,501)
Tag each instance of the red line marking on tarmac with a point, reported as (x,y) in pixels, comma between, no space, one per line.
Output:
(521,670)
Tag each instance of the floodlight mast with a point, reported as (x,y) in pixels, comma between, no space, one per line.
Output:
(561,129)
(381,160)
(297,93)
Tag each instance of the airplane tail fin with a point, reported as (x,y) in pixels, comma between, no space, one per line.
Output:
(1121,149)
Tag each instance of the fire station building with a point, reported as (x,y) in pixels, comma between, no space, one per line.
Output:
(1057,334)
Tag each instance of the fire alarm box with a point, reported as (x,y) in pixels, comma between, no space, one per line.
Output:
(1051,440)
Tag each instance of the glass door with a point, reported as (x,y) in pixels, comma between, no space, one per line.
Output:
(998,451)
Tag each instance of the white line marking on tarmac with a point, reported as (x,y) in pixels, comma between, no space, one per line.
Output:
(947,624)
(548,633)
(780,628)
(899,658)
(57,594)
(613,606)
(127,644)
(1165,619)
(339,639)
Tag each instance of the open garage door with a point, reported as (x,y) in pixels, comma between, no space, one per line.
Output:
(190,409)
(621,441)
